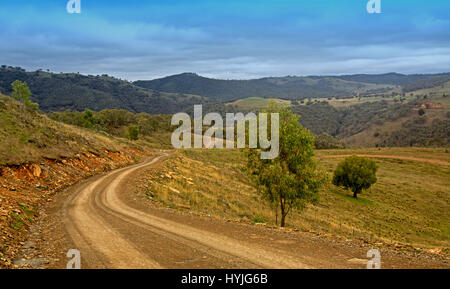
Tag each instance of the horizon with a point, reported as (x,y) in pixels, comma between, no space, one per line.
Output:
(233,40)
(231,79)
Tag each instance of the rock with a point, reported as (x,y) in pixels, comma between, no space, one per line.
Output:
(183,206)
(29,245)
(174,190)
(245,220)
(435,251)
(35,262)
(36,170)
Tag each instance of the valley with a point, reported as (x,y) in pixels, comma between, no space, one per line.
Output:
(74,148)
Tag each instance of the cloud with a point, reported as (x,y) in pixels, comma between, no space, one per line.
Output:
(233,39)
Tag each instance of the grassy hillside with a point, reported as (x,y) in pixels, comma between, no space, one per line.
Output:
(436,92)
(381,123)
(27,136)
(409,204)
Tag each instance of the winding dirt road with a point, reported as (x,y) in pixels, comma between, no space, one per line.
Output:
(97,220)
(113,227)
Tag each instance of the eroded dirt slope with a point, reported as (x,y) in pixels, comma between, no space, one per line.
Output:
(24,188)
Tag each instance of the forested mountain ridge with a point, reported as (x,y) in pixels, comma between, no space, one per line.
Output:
(73,91)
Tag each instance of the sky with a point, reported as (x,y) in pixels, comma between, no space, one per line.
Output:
(228,39)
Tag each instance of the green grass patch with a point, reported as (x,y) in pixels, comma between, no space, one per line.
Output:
(259,219)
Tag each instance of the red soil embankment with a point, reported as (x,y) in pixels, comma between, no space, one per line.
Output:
(24,188)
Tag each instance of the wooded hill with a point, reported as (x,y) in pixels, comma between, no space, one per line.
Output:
(292,87)
(58,92)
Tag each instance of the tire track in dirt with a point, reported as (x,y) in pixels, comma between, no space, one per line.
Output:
(95,236)
(106,247)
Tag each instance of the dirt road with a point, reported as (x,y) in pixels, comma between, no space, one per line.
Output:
(113,227)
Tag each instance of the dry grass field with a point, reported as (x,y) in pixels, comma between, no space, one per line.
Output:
(256,103)
(410,203)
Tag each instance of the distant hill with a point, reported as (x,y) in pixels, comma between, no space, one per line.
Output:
(58,92)
(290,87)
(393,78)
(73,91)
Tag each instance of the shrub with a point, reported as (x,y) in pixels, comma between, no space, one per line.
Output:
(133,132)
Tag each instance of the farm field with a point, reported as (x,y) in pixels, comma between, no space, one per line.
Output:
(256,103)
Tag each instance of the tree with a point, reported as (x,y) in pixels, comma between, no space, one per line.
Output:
(88,119)
(356,173)
(22,93)
(421,111)
(133,132)
(326,141)
(291,180)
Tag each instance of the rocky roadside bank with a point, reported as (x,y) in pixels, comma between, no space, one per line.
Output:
(25,188)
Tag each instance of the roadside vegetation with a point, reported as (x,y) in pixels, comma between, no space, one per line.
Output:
(145,129)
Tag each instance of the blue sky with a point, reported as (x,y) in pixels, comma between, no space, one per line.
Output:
(229,39)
